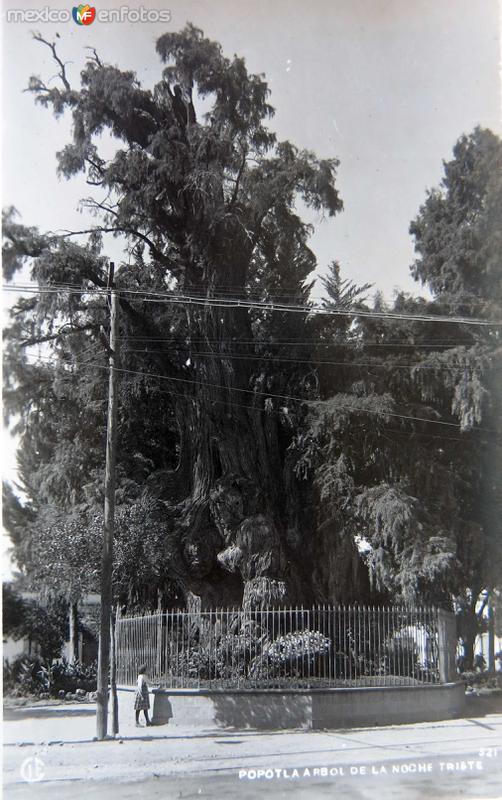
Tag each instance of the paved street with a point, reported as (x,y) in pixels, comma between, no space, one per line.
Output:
(49,752)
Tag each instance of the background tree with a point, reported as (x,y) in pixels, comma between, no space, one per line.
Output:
(458,233)
(423,499)
(409,491)
(43,625)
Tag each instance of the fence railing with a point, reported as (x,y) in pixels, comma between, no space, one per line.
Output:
(313,647)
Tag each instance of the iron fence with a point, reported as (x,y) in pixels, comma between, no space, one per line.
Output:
(315,647)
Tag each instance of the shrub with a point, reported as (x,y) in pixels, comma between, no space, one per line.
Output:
(400,657)
(290,654)
(21,677)
(32,675)
(252,653)
(62,676)
(478,680)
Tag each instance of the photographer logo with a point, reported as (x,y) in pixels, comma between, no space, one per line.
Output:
(83,15)
(32,769)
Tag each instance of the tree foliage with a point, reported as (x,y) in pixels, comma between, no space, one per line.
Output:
(206,204)
(422,498)
(261,453)
(45,624)
(457,233)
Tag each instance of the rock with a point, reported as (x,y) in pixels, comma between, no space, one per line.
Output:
(81,692)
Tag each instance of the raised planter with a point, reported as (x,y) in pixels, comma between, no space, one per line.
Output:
(311,709)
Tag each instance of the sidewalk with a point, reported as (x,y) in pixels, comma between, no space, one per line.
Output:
(61,737)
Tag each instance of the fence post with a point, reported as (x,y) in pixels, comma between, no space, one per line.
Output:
(447,641)
(491,640)
(113,671)
(158,660)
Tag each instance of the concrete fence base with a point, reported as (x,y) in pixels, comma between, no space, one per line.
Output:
(312,709)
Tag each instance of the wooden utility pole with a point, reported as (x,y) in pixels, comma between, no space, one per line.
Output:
(109,522)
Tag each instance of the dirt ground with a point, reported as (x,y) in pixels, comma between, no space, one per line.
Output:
(49,752)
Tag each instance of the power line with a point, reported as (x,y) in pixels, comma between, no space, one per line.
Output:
(265,394)
(313,361)
(194,290)
(235,303)
(234,404)
(275,342)
(315,310)
(238,291)
(279,411)
(443,437)
(222,303)
(238,287)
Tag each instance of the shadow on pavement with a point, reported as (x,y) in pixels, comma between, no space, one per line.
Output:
(46,712)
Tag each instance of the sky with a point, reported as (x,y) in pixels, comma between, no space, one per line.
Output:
(385,86)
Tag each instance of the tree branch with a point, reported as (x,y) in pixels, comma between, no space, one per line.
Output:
(52,47)
(128,232)
(238,179)
(61,332)
(94,57)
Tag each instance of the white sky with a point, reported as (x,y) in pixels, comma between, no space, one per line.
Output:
(386,86)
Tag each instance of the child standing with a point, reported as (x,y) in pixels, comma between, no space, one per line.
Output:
(141,698)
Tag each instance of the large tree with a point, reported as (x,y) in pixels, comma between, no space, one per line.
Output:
(205,198)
